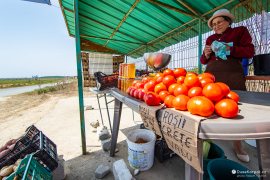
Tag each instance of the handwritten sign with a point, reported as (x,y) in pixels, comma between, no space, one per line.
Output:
(180,132)
(148,115)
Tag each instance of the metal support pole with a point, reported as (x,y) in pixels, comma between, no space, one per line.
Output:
(100,109)
(108,113)
(116,123)
(200,46)
(79,74)
(146,67)
(263,146)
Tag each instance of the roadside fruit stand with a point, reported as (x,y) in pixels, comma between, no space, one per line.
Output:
(185,119)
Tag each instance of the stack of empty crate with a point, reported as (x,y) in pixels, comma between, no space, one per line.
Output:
(117,60)
(89,80)
(94,62)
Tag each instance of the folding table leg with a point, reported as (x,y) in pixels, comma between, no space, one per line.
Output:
(263,148)
(116,122)
(190,172)
(108,113)
(100,110)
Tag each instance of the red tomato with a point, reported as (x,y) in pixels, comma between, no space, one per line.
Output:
(158,75)
(160,87)
(172,87)
(180,102)
(179,72)
(206,75)
(131,93)
(146,79)
(213,92)
(168,72)
(226,108)
(136,93)
(168,80)
(225,88)
(128,90)
(150,86)
(201,105)
(163,95)
(234,96)
(168,101)
(135,82)
(192,81)
(181,89)
(191,74)
(151,99)
(205,81)
(139,85)
(195,91)
(180,79)
(159,79)
(141,94)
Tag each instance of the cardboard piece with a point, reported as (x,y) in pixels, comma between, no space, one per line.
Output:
(180,130)
(148,115)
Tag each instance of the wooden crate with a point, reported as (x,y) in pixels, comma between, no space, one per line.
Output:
(117,60)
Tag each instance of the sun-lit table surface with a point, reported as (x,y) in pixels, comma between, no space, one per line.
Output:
(253,122)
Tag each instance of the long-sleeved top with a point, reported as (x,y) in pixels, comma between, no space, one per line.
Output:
(242,44)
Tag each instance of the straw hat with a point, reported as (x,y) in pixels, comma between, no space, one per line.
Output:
(218,13)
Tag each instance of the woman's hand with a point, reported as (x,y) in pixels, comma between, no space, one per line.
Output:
(207,51)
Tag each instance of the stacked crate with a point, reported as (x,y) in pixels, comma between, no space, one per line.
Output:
(100,62)
(117,60)
(89,80)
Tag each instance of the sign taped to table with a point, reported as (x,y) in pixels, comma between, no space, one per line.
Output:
(180,131)
(148,115)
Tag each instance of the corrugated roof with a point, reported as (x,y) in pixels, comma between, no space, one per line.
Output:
(133,26)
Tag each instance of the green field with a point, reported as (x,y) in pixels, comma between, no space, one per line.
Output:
(17,82)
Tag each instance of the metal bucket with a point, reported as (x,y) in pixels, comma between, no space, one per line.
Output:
(261,64)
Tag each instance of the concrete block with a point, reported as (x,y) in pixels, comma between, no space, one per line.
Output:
(102,171)
(120,171)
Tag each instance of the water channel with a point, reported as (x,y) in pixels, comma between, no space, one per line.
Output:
(18,90)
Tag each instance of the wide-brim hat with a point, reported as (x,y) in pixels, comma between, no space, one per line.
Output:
(218,13)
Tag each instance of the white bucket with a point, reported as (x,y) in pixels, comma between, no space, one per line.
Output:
(141,155)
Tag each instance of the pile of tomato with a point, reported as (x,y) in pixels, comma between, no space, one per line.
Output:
(187,91)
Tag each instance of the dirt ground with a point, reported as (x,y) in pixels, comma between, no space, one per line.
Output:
(57,115)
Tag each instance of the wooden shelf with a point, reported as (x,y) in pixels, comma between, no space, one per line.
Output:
(266,78)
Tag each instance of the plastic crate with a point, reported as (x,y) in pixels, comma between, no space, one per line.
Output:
(105,81)
(34,141)
(30,168)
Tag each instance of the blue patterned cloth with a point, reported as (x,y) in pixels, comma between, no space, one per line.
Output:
(219,48)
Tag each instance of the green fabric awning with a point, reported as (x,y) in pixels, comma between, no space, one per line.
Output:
(132,27)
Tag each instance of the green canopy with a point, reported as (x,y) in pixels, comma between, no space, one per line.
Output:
(132,26)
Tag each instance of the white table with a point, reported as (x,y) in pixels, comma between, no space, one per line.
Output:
(253,122)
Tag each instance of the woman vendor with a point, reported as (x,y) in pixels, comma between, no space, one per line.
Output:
(223,53)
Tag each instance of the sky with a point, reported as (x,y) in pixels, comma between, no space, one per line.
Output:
(34,41)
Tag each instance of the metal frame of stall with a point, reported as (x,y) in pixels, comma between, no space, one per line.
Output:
(79,68)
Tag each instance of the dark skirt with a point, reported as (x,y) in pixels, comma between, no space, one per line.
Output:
(228,71)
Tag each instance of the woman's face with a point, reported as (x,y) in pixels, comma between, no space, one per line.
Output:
(219,25)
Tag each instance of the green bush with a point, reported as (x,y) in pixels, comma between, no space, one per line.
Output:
(46,90)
